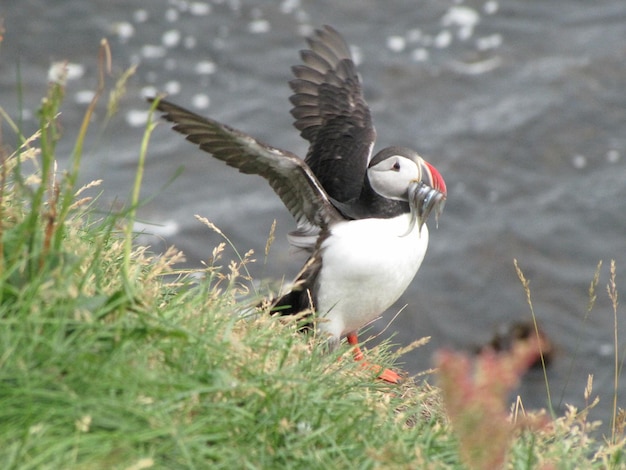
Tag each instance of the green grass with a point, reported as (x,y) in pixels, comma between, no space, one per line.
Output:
(111,359)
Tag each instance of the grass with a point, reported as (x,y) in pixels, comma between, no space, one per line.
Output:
(112,359)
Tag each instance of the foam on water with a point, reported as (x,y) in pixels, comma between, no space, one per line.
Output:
(396,43)
(200,101)
(137,117)
(205,67)
(171,38)
(84,96)
(63,71)
(199,8)
(152,51)
(124,30)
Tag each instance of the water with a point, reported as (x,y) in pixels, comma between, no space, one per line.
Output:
(518,103)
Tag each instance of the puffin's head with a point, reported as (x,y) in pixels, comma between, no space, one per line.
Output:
(399,173)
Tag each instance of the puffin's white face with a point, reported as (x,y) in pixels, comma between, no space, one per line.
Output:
(401,174)
(392,176)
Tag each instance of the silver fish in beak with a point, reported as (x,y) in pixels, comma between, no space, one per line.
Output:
(425,195)
(422,200)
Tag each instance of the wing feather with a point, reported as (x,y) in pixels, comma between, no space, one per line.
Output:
(331,113)
(290,178)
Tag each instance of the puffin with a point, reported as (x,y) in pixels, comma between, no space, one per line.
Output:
(360,217)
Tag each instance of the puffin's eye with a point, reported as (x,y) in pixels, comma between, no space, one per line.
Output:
(396,166)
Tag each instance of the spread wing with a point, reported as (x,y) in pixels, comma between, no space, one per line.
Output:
(290,178)
(332,115)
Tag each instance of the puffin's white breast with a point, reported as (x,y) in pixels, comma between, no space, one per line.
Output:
(366,265)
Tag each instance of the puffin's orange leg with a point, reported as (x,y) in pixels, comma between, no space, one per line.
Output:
(384,374)
(354,341)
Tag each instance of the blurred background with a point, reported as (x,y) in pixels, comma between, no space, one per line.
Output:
(519,103)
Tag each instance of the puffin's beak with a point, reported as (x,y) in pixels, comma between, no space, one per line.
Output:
(426,194)
(422,200)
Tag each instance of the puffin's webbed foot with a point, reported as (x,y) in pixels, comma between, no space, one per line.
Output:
(383,374)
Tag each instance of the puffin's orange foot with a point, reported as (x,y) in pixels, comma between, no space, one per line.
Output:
(383,374)
(390,376)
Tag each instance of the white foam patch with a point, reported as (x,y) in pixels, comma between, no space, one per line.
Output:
(201,101)
(149,92)
(613,156)
(140,16)
(396,43)
(152,51)
(259,26)
(75,71)
(27,114)
(205,67)
(84,96)
(606,350)
(171,38)
(491,7)
(62,72)
(420,54)
(137,117)
(199,8)
(123,30)
(166,228)
(172,87)
(579,161)
(289,6)
(492,41)
(443,39)
(305,29)
(476,68)
(462,17)
(171,15)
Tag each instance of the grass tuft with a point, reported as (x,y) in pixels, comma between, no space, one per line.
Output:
(526,284)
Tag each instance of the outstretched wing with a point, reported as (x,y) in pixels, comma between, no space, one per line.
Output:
(332,115)
(288,175)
